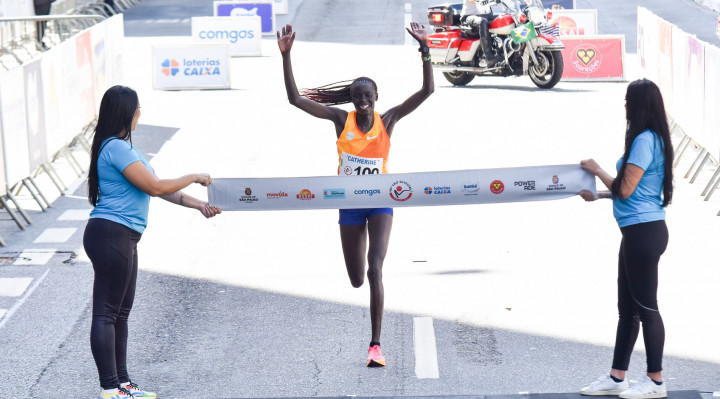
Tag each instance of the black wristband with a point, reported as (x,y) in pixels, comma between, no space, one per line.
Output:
(424,49)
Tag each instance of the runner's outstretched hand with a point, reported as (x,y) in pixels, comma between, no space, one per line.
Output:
(286,39)
(418,32)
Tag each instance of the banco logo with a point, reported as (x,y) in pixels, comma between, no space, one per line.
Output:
(437,190)
(243,12)
(170,67)
(471,189)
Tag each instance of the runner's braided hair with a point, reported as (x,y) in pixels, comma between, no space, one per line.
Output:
(336,93)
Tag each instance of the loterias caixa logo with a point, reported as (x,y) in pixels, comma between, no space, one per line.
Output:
(190,67)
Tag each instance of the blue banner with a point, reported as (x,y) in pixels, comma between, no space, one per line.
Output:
(264,10)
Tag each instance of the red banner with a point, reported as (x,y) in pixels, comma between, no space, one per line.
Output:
(593,57)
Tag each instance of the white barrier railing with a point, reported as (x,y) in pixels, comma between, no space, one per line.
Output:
(48,102)
(685,68)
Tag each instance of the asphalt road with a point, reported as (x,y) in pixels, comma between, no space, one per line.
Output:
(258,304)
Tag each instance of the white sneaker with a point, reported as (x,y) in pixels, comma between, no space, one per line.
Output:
(645,389)
(605,386)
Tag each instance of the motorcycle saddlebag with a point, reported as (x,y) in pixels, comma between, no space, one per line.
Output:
(442,16)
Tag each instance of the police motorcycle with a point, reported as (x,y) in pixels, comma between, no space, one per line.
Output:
(521,36)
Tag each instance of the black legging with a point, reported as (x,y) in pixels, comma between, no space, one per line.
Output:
(112,248)
(640,250)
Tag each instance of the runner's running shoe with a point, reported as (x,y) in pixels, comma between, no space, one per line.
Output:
(375,357)
(137,392)
(121,393)
(605,386)
(645,389)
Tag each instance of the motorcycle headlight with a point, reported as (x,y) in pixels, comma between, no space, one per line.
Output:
(536,15)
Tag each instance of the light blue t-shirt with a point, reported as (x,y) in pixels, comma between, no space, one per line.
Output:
(645,203)
(119,200)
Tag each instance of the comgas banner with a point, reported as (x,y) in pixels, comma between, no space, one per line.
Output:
(242,34)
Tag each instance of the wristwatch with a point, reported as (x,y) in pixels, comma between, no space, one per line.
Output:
(424,49)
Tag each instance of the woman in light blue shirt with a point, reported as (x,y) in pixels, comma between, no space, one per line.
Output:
(120,184)
(640,192)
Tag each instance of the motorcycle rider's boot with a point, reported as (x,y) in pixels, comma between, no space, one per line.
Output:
(488,54)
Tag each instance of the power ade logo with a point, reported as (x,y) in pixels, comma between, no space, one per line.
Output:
(586,58)
(367,192)
(305,194)
(248,197)
(281,194)
(497,187)
(400,191)
(233,36)
(170,67)
(556,185)
(334,193)
(528,185)
(437,190)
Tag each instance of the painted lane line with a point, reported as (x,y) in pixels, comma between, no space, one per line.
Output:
(34,257)
(55,235)
(75,214)
(426,363)
(22,300)
(14,286)
(2,313)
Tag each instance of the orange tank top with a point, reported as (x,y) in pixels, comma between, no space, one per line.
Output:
(363,153)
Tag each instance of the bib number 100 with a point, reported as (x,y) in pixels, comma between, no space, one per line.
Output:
(366,171)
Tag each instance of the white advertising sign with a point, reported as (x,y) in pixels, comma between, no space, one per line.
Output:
(460,187)
(712,100)
(55,102)
(14,127)
(280,6)
(242,34)
(198,66)
(575,22)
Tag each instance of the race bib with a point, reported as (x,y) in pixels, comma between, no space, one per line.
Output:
(353,165)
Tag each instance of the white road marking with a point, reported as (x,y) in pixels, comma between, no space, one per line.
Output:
(426,363)
(34,257)
(2,313)
(75,214)
(14,286)
(55,235)
(22,300)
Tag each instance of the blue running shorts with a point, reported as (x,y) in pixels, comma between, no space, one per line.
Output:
(350,217)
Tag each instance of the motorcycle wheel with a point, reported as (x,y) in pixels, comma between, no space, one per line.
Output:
(548,72)
(459,78)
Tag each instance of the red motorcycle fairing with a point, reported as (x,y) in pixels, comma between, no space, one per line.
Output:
(444,39)
(502,25)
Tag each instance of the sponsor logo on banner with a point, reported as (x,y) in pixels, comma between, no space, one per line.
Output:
(248,197)
(305,194)
(556,184)
(190,67)
(170,67)
(437,190)
(471,189)
(528,185)
(586,58)
(400,191)
(334,193)
(281,194)
(370,192)
(232,36)
(497,187)
(568,26)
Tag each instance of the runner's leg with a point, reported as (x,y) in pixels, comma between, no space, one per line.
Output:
(354,242)
(379,227)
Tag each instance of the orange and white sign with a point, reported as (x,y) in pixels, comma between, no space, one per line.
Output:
(599,57)
(575,22)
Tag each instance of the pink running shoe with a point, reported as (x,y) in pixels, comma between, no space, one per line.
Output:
(375,357)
